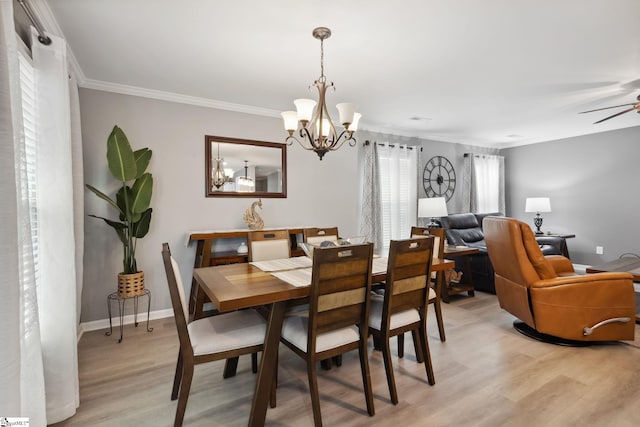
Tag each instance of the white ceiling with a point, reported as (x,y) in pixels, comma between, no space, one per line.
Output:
(491,72)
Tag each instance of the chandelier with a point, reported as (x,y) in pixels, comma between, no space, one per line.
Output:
(245,183)
(316,129)
(219,177)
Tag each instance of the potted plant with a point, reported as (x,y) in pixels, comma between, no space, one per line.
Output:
(132,202)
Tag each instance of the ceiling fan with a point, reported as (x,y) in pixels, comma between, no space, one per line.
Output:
(634,106)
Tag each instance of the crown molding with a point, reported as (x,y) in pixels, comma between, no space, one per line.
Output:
(176,97)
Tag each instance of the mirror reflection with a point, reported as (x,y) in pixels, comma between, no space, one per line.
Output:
(244,168)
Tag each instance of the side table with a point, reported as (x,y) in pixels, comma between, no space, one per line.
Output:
(466,284)
(116,297)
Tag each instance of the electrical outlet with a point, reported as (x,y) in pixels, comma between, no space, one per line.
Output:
(599,250)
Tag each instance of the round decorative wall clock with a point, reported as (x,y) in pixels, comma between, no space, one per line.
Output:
(439,178)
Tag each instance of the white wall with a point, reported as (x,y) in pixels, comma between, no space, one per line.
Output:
(320,193)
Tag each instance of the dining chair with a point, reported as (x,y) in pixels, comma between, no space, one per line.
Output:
(316,236)
(402,308)
(336,321)
(267,245)
(226,335)
(437,279)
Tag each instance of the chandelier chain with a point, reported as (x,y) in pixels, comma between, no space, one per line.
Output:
(322,78)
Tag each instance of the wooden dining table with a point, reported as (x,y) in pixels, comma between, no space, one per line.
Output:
(237,286)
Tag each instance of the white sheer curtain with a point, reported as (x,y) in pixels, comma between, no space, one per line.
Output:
(21,370)
(483,183)
(398,167)
(57,287)
(40,237)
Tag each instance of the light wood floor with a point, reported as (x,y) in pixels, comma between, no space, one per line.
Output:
(487,374)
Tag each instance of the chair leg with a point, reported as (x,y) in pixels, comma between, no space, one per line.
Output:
(366,377)
(337,360)
(230,367)
(187,376)
(388,367)
(313,389)
(438,310)
(427,356)
(400,339)
(416,346)
(254,362)
(377,343)
(177,379)
(274,385)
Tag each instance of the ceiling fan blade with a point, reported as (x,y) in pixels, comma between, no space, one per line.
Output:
(615,115)
(606,108)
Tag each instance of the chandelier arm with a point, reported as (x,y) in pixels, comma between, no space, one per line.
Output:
(332,134)
(339,141)
(306,136)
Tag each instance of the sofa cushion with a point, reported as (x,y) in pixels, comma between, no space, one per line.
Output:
(463,229)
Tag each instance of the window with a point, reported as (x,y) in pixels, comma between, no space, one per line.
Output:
(486,192)
(398,191)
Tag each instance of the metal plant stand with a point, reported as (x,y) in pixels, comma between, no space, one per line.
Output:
(121,300)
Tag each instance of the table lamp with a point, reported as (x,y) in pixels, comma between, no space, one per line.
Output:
(537,205)
(434,207)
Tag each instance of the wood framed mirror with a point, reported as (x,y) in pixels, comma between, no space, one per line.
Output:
(244,168)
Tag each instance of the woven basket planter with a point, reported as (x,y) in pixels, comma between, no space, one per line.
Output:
(130,285)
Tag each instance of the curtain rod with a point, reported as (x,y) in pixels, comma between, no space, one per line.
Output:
(409,147)
(42,37)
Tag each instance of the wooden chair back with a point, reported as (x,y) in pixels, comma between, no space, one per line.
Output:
(408,275)
(266,245)
(437,278)
(315,235)
(178,300)
(438,235)
(340,286)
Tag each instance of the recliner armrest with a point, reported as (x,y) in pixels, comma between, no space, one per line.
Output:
(561,265)
(587,278)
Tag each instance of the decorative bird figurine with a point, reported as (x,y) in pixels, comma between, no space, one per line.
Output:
(251,217)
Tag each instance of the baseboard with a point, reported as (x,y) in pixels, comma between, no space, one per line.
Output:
(127,320)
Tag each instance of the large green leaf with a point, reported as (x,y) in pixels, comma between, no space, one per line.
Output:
(121,229)
(142,156)
(130,215)
(122,162)
(141,194)
(141,228)
(103,196)
(125,213)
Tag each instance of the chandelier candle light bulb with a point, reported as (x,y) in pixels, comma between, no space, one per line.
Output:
(321,136)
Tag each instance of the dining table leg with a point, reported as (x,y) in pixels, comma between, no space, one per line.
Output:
(268,366)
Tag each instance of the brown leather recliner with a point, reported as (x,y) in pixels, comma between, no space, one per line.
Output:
(546,294)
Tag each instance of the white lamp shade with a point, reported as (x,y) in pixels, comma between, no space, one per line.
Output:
(346,110)
(290,120)
(305,108)
(433,207)
(354,124)
(537,204)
